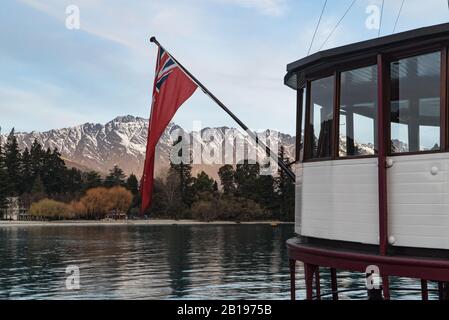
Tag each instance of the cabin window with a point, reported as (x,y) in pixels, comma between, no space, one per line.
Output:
(301,135)
(321,118)
(358,112)
(415,103)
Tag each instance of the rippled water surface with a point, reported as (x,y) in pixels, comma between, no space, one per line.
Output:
(156,262)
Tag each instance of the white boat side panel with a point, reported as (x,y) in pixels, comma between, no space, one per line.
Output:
(338,200)
(419,201)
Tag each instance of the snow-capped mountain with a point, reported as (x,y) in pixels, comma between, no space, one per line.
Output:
(122,142)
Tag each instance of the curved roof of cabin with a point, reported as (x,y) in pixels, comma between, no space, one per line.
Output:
(327,59)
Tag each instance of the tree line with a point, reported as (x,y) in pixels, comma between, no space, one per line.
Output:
(35,174)
(243,194)
(50,189)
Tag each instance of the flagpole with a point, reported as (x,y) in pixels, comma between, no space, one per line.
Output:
(275,157)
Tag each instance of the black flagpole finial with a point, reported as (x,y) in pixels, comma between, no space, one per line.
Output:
(153,39)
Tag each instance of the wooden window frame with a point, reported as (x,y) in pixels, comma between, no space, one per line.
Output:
(307,147)
(387,58)
(338,102)
(299,112)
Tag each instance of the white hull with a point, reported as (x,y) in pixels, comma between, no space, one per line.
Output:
(338,200)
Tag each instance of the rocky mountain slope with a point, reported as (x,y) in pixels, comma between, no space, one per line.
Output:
(122,142)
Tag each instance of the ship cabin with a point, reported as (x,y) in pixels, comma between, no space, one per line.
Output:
(372,178)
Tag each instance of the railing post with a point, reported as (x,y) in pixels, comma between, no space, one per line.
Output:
(386,287)
(317,283)
(443,290)
(292,279)
(424,291)
(334,284)
(309,271)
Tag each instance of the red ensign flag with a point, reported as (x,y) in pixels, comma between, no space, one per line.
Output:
(172,87)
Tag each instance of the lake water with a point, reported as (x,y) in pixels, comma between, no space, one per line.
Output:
(156,262)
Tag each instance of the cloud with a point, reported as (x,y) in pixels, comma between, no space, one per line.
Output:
(274,8)
(234,74)
(232,46)
(27,110)
(56,10)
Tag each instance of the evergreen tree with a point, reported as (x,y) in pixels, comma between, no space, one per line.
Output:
(26,175)
(226,174)
(159,202)
(37,192)
(203,183)
(3,181)
(38,186)
(37,158)
(12,163)
(45,169)
(92,180)
(184,172)
(74,183)
(266,195)
(132,184)
(286,191)
(55,172)
(116,177)
(246,178)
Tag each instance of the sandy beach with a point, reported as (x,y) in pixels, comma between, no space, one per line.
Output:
(150,222)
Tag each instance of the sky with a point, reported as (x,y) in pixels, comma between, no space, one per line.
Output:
(52,76)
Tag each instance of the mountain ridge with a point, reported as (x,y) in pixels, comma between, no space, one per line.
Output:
(122,142)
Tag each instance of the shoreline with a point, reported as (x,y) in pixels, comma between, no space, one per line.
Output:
(155,222)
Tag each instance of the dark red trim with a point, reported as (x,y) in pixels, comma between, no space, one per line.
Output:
(336,120)
(307,126)
(318,159)
(299,108)
(353,64)
(386,287)
(412,267)
(382,154)
(443,100)
(342,158)
(417,51)
(385,86)
(309,271)
(414,153)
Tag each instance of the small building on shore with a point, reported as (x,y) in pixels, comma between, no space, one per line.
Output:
(14,210)
(117,215)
